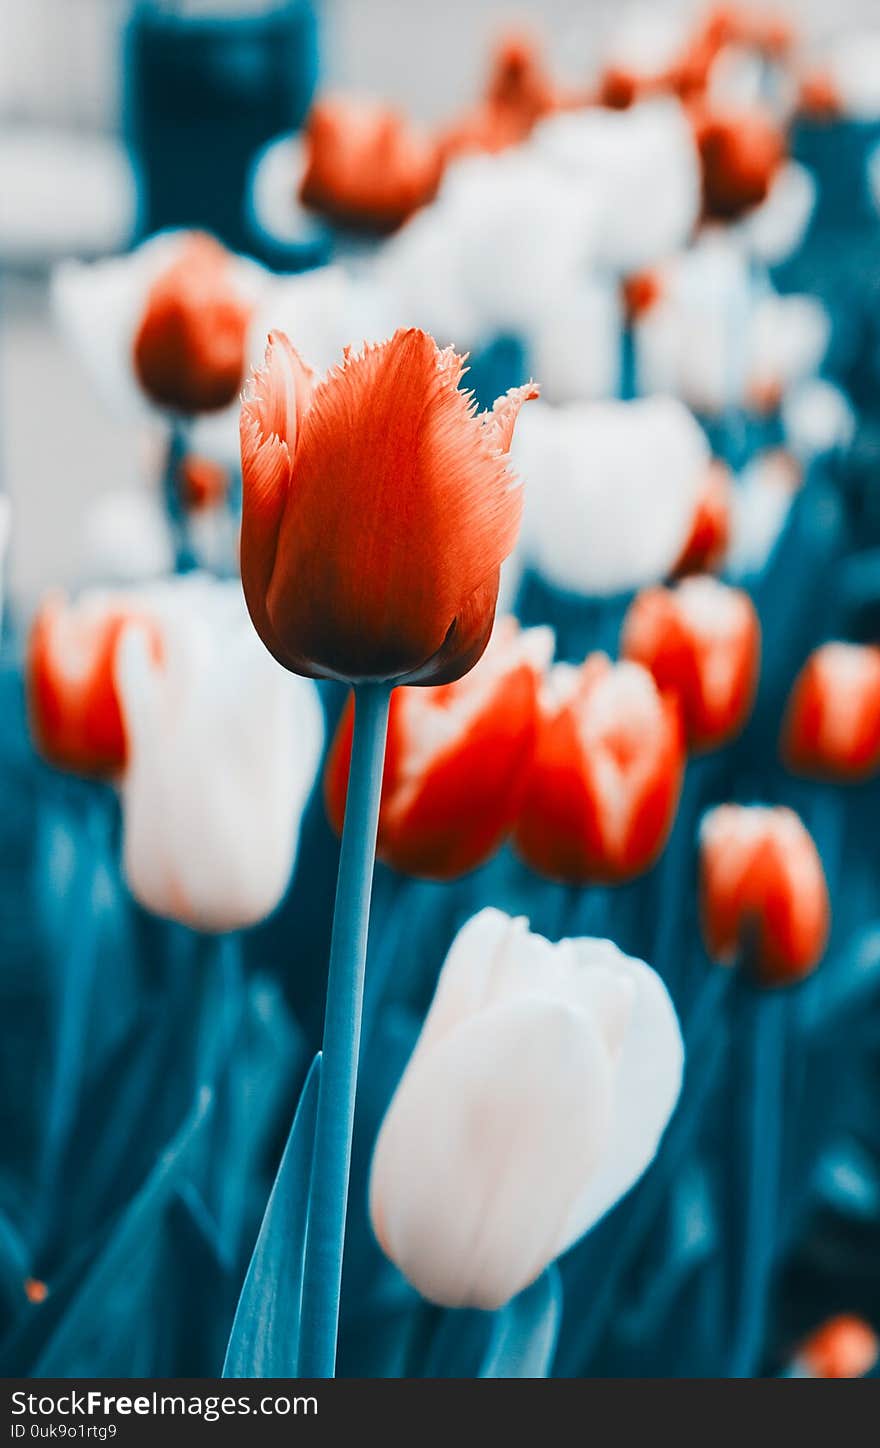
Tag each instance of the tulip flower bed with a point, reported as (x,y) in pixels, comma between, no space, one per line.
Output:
(443,928)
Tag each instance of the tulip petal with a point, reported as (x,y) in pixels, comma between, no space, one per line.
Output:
(647,1087)
(528,1081)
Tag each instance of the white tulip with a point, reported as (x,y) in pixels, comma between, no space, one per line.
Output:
(610,492)
(773,230)
(507,240)
(852,62)
(223,749)
(641,167)
(818,418)
(760,505)
(5,531)
(125,538)
(536,1096)
(717,340)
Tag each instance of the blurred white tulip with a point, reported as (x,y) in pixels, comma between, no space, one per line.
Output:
(575,348)
(773,230)
(124,538)
(818,418)
(536,1096)
(642,169)
(851,60)
(760,505)
(610,490)
(5,531)
(718,339)
(504,245)
(223,749)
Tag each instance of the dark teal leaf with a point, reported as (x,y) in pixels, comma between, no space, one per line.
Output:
(264,1340)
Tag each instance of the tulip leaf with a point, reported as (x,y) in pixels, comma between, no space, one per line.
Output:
(264,1341)
(525,1332)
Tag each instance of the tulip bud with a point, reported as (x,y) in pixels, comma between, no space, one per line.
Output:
(223,749)
(456,759)
(603,788)
(536,1096)
(365,166)
(377,511)
(701,641)
(843,1347)
(165,326)
(832,725)
(75,713)
(518,94)
(763,892)
(190,347)
(710,528)
(740,152)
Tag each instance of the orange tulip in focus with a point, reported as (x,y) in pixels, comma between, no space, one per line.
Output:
(603,789)
(702,642)
(377,510)
(740,153)
(456,759)
(190,348)
(844,1347)
(832,725)
(366,166)
(519,94)
(710,531)
(75,714)
(763,892)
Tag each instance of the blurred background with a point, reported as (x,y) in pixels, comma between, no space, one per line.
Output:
(63,115)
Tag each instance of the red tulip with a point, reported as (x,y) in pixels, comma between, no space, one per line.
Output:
(844,1347)
(641,291)
(710,531)
(832,725)
(456,759)
(377,510)
(763,891)
(701,640)
(75,713)
(203,482)
(190,350)
(366,167)
(740,153)
(818,96)
(603,788)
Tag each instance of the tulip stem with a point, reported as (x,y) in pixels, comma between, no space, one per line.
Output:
(175,509)
(322,1275)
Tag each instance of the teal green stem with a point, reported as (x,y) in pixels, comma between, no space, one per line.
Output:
(322,1276)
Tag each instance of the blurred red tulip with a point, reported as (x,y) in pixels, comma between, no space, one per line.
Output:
(518,94)
(190,349)
(701,640)
(456,759)
(818,97)
(377,510)
(740,153)
(75,714)
(844,1347)
(603,788)
(763,892)
(641,291)
(832,725)
(366,166)
(203,483)
(710,531)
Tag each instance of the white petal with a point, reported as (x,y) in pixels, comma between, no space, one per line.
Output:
(484,1147)
(646,1088)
